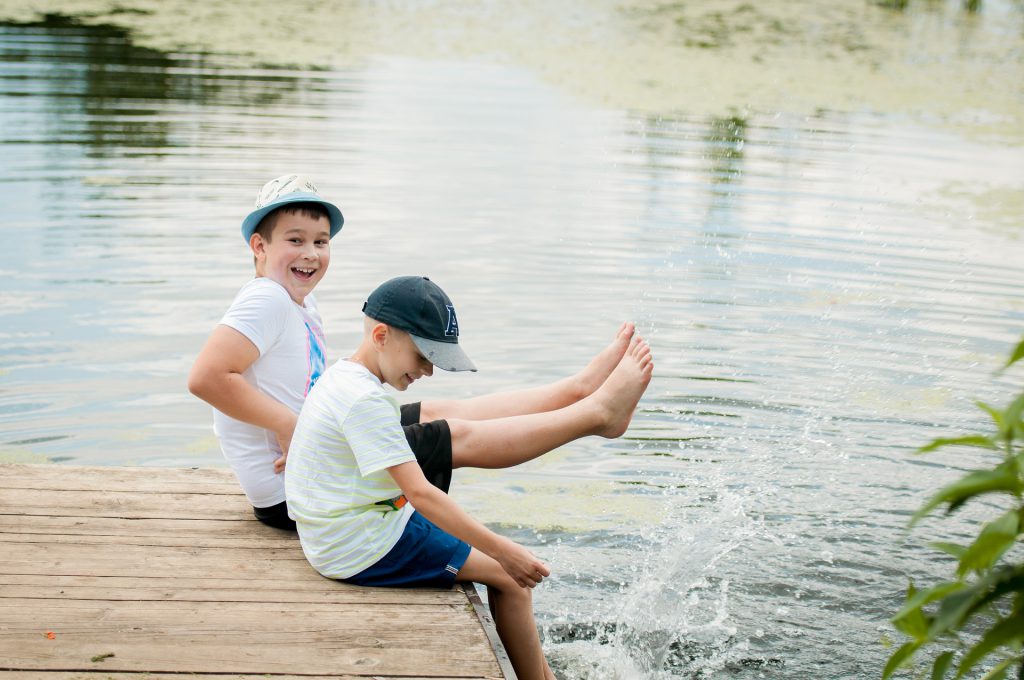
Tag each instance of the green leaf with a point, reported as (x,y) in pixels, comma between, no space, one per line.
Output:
(999,672)
(913,624)
(976,440)
(1012,416)
(1003,478)
(962,604)
(941,665)
(995,539)
(1006,579)
(997,416)
(953,549)
(959,605)
(1018,354)
(954,609)
(911,621)
(899,658)
(918,598)
(1017,433)
(1003,633)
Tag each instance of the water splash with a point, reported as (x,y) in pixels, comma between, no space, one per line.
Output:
(672,617)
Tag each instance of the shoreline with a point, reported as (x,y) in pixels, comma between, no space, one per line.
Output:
(935,63)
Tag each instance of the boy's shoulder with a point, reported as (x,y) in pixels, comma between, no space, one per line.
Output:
(349,377)
(268,299)
(263,312)
(346,385)
(261,289)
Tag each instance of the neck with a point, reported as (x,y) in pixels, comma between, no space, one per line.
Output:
(367,357)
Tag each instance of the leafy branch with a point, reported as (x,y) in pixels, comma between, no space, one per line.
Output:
(988,590)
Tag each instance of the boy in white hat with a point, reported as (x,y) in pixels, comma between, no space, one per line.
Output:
(267,352)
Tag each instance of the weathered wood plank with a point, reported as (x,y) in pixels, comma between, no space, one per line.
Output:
(168,572)
(167,480)
(126,504)
(100,674)
(164,561)
(244,638)
(172,592)
(256,543)
(221,532)
(269,589)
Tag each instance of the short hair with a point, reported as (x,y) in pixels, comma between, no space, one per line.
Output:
(310,209)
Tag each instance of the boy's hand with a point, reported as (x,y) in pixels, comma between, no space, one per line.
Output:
(284,441)
(518,562)
(521,565)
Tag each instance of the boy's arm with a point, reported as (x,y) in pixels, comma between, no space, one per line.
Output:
(216,378)
(440,509)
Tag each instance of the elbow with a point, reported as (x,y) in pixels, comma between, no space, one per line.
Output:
(420,495)
(199,383)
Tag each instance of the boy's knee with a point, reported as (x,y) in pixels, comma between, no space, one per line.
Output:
(510,590)
(524,595)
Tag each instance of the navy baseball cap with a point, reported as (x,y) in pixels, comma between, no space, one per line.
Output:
(282,191)
(418,306)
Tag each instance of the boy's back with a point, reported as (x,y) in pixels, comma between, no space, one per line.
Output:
(290,342)
(338,487)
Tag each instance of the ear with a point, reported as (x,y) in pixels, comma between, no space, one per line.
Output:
(379,335)
(258,246)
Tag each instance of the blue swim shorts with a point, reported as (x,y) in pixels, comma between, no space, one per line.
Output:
(425,556)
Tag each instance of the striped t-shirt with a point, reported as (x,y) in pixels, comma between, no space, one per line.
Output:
(349,432)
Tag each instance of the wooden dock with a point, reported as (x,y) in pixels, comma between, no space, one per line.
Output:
(115,572)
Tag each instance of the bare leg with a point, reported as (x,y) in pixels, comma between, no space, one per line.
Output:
(537,399)
(504,442)
(512,608)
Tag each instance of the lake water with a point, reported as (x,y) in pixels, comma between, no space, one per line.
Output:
(825,290)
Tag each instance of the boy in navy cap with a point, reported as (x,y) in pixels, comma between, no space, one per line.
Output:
(267,352)
(365,512)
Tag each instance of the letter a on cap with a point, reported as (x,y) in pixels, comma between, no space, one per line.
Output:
(453,323)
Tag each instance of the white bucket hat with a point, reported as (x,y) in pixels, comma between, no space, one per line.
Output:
(288,189)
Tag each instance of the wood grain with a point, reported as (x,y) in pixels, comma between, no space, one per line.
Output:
(112,572)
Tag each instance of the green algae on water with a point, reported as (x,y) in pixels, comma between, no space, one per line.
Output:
(935,59)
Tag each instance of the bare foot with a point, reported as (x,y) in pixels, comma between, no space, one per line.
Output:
(618,396)
(602,365)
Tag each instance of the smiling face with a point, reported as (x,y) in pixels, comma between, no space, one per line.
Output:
(400,362)
(296,254)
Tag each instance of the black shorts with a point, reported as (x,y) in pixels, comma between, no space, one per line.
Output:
(430,442)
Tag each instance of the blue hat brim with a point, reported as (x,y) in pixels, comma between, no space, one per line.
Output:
(447,356)
(252,220)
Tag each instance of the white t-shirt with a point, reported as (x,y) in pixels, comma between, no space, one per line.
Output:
(348,433)
(291,343)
